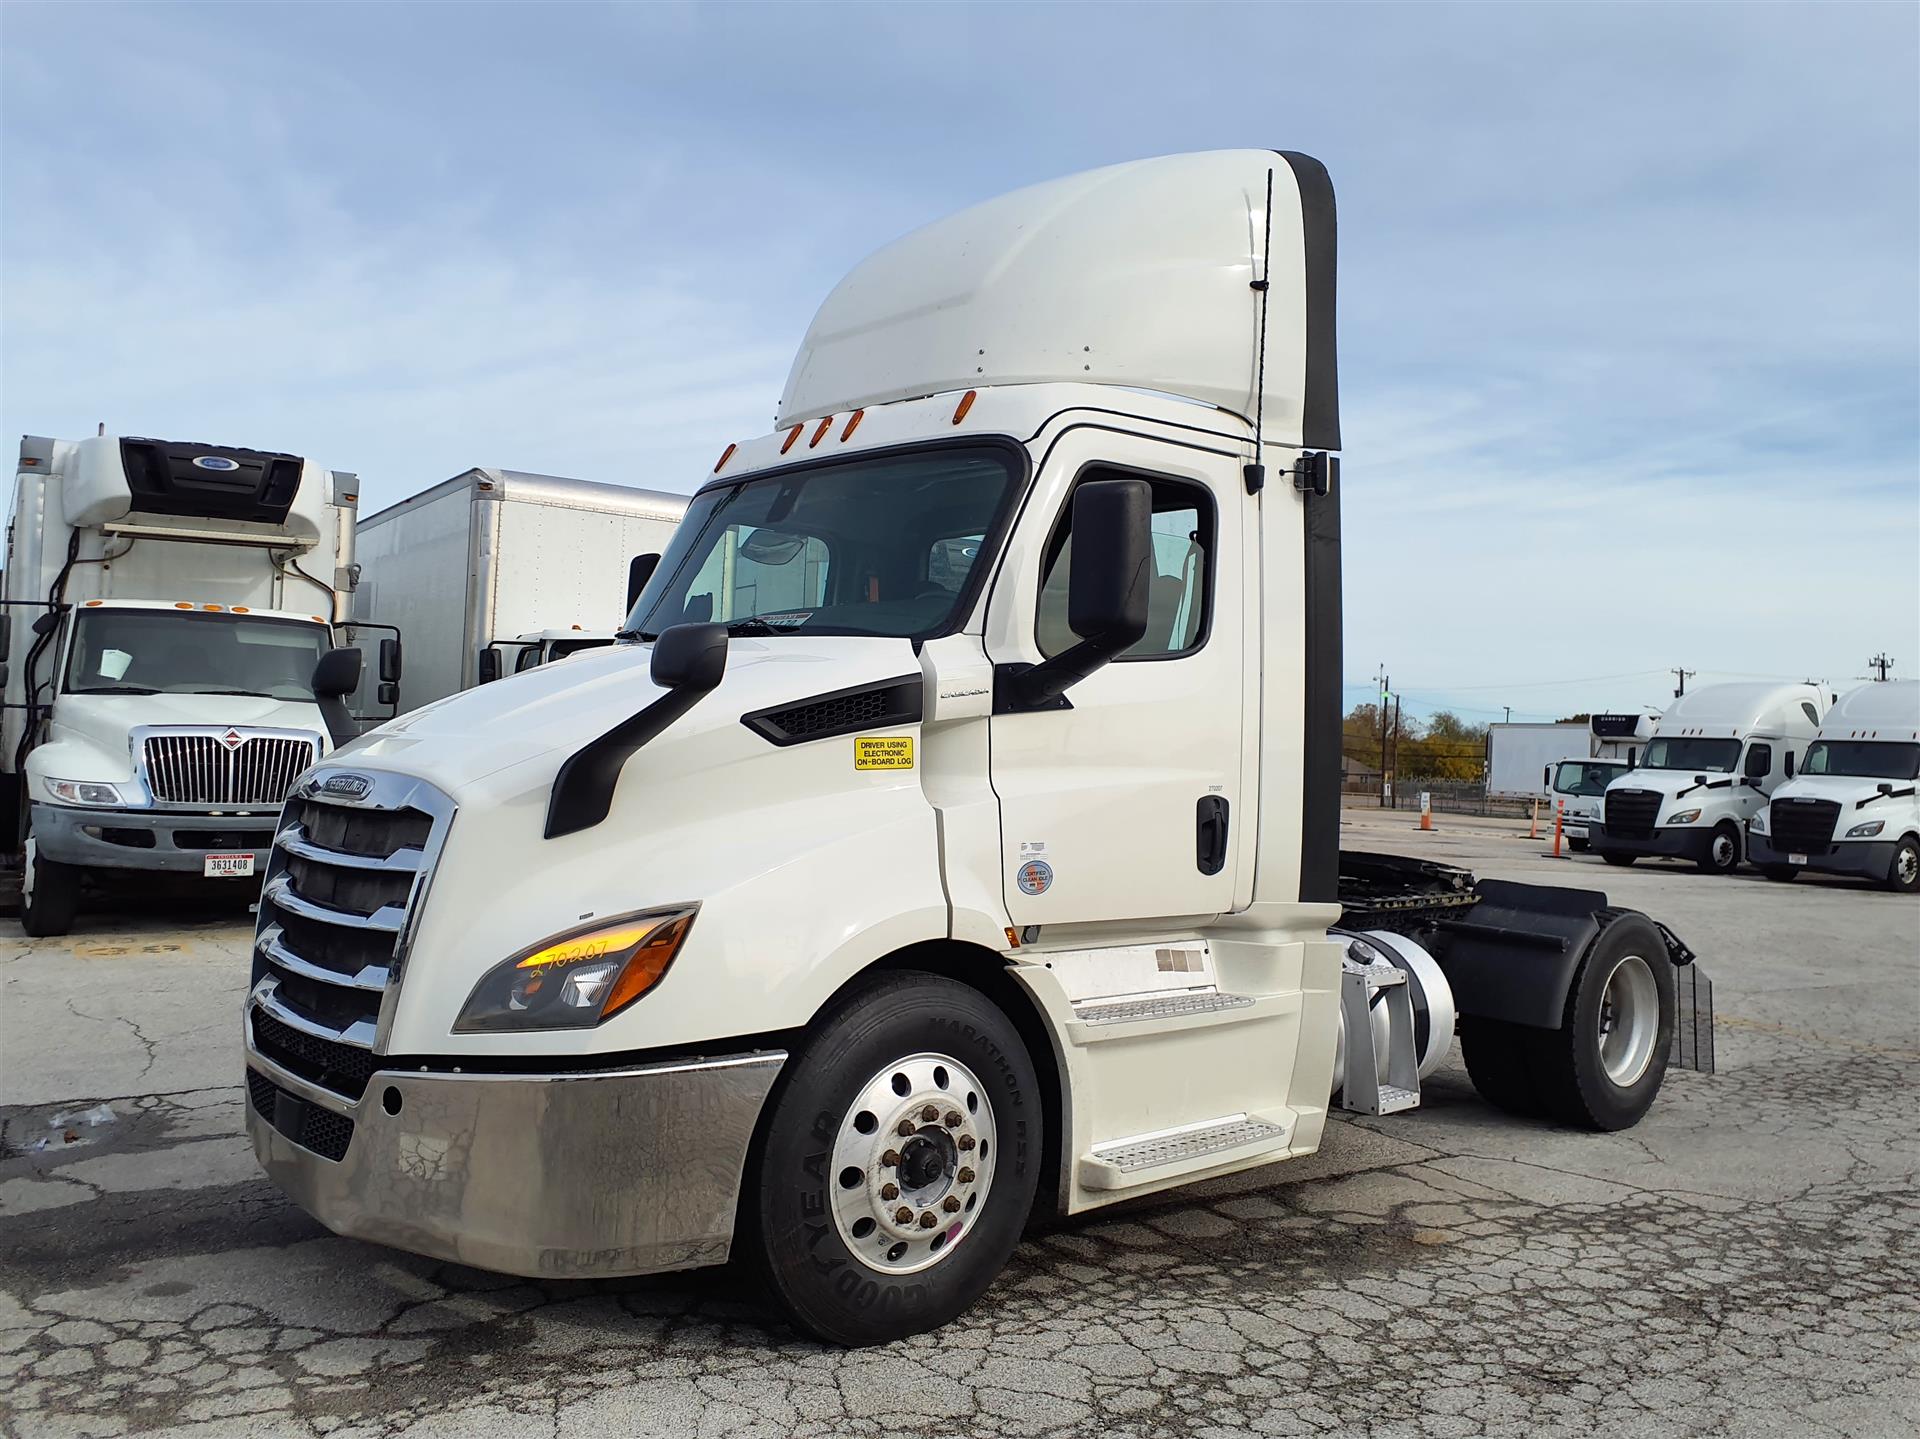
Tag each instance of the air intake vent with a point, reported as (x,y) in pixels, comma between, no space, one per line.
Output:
(865,707)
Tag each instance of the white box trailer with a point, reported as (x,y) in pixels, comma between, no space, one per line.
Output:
(504,559)
(1519,755)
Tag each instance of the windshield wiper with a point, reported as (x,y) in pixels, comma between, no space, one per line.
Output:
(116,690)
(256,694)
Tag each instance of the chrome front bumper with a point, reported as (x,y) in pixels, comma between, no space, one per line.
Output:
(611,1172)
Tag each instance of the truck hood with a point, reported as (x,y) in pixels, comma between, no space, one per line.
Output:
(553,710)
(1847,790)
(1671,783)
(90,737)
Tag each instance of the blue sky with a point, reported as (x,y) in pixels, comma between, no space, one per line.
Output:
(1630,297)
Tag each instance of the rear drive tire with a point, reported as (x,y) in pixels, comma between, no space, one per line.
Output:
(1723,850)
(1784,873)
(1496,1055)
(1903,875)
(821,1211)
(1602,1068)
(49,893)
(1623,860)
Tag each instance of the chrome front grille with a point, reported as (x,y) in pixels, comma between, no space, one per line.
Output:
(225,767)
(347,877)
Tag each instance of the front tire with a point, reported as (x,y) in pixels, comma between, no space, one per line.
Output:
(1723,850)
(1623,860)
(1782,873)
(49,893)
(1903,875)
(851,1167)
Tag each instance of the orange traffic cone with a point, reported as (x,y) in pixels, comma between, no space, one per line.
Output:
(1557,813)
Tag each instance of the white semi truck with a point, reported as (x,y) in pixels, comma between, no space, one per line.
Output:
(958,833)
(169,613)
(1852,808)
(1575,785)
(495,571)
(1714,757)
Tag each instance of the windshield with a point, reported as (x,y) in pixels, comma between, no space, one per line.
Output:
(1585,777)
(188,652)
(1717,756)
(887,545)
(1863,759)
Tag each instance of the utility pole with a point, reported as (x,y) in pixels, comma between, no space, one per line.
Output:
(1382,708)
(1881,663)
(1684,675)
(1396,733)
(1509,710)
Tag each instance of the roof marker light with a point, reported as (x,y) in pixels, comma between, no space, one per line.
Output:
(966,403)
(853,423)
(725,455)
(792,435)
(241,610)
(182,605)
(820,430)
(211,608)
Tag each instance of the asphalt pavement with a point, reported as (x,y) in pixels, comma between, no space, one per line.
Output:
(1745,1262)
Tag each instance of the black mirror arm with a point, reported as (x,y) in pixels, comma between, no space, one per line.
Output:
(1044,686)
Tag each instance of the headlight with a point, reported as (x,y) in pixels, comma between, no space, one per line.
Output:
(1867,830)
(81,791)
(1758,824)
(577,979)
(1683,816)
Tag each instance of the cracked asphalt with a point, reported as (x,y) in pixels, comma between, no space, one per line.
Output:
(1745,1262)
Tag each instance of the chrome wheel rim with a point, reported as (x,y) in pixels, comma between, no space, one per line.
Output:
(913,1161)
(1629,1020)
(1909,864)
(1723,850)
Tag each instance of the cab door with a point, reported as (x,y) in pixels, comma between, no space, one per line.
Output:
(1128,803)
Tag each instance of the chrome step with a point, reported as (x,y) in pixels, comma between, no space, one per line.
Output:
(1160,1006)
(1132,1161)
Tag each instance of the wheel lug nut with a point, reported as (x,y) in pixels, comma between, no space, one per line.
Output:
(965,1141)
(928,1219)
(891,1159)
(953,1119)
(930,1112)
(902,1215)
(965,1176)
(905,1129)
(951,1204)
(889,1191)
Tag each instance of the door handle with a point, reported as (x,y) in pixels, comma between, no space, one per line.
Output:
(1210,834)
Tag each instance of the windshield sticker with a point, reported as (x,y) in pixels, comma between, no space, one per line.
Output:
(1035,876)
(883,751)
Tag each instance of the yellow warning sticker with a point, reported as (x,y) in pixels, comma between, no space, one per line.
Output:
(883,751)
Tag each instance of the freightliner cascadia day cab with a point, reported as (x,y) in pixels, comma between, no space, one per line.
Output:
(1714,758)
(958,834)
(1852,808)
(169,610)
(497,570)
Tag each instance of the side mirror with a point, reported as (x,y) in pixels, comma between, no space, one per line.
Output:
(1789,764)
(337,674)
(3,674)
(489,665)
(6,635)
(639,570)
(1883,788)
(528,657)
(388,693)
(1546,776)
(46,624)
(1107,591)
(390,660)
(1699,779)
(690,657)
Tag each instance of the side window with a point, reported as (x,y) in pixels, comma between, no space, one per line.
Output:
(1789,764)
(1759,761)
(1182,584)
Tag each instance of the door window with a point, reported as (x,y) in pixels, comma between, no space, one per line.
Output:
(1182,584)
(1759,761)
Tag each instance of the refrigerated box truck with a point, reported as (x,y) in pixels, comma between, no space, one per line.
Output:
(957,834)
(485,566)
(168,608)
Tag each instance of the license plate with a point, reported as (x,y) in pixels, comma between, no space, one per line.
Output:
(1796,859)
(228,866)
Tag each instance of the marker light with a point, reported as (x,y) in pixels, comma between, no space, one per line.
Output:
(725,455)
(820,430)
(577,979)
(960,410)
(853,423)
(792,435)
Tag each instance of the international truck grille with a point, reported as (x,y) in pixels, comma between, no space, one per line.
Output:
(1803,826)
(1631,813)
(308,1125)
(338,892)
(210,769)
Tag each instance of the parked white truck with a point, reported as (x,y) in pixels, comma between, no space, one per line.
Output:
(1714,757)
(1575,785)
(167,610)
(498,570)
(1852,808)
(959,832)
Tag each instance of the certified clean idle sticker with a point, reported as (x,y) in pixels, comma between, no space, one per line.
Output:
(883,751)
(1035,876)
